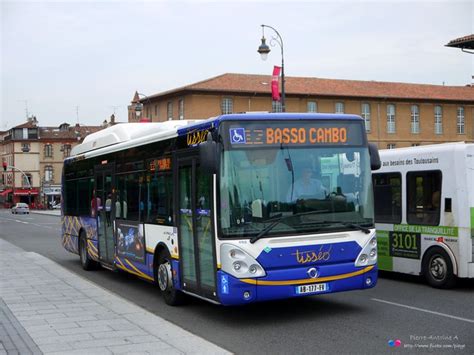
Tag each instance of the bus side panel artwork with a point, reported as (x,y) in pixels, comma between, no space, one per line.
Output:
(130,240)
(71,227)
(166,235)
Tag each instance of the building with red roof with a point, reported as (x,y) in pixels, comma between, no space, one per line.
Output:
(396,114)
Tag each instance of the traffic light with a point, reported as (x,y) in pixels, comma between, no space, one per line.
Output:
(4,165)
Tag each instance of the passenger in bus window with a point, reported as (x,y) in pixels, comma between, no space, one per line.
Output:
(95,204)
(118,209)
(108,208)
(306,187)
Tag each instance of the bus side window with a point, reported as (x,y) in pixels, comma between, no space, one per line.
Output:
(160,198)
(387,197)
(424,197)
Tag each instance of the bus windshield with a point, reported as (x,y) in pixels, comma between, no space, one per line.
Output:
(293,190)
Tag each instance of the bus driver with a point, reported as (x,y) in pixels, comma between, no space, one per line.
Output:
(306,187)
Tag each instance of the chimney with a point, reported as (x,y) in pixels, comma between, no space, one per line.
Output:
(112,119)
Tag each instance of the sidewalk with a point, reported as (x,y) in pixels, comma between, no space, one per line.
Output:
(45,308)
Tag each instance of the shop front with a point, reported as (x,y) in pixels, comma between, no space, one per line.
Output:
(29,196)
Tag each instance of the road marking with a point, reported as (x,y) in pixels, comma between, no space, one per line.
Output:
(424,310)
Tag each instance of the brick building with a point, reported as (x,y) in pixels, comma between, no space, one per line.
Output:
(37,153)
(396,114)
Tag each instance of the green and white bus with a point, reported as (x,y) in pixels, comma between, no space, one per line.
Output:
(424,212)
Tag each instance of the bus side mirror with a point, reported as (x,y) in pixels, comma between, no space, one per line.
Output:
(375,163)
(208,155)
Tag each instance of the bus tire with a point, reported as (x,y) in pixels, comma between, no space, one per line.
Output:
(86,262)
(164,279)
(438,268)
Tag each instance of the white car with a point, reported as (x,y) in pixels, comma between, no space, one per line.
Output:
(20,207)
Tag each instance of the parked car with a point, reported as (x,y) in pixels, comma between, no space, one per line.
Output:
(20,207)
(56,206)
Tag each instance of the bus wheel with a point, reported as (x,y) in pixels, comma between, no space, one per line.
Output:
(86,262)
(438,268)
(164,278)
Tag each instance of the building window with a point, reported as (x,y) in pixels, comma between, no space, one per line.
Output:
(423,197)
(312,106)
(66,148)
(181,109)
(227,105)
(460,120)
(438,115)
(387,187)
(25,147)
(170,111)
(391,118)
(27,181)
(415,119)
(48,173)
(365,113)
(391,146)
(276,106)
(48,150)
(339,107)
(156,110)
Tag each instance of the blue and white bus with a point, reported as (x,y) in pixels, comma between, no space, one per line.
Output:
(234,209)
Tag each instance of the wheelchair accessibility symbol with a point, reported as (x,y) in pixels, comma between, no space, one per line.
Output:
(237,136)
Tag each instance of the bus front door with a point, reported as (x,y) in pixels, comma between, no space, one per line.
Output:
(195,229)
(104,189)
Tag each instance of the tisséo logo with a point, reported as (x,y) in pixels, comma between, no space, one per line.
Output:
(394,343)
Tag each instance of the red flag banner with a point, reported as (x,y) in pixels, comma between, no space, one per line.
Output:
(275,77)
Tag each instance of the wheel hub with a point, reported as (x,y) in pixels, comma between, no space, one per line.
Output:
(164,276)
(438,268)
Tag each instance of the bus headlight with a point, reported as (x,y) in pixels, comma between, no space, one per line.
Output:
(238,263)
(368,254)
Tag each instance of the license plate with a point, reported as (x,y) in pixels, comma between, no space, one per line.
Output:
(313,288)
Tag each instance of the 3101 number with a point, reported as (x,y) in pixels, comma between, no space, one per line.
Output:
(404,241)
(405,245)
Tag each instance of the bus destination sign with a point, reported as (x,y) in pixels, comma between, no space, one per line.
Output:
(296,133)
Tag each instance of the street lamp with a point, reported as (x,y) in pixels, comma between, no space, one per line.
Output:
(139,105)
(264,49)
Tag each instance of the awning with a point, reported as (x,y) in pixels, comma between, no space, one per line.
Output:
(5,192)
(25,192)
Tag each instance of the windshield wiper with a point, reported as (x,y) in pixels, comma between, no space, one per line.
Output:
(357,226)
(277,220)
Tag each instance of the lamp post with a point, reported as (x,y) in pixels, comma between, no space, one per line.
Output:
(264,49)
(139,105)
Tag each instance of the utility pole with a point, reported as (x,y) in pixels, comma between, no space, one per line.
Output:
(77,114)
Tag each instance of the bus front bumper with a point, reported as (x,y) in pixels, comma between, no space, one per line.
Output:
(278,284)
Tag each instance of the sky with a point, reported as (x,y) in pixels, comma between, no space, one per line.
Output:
(65,61)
